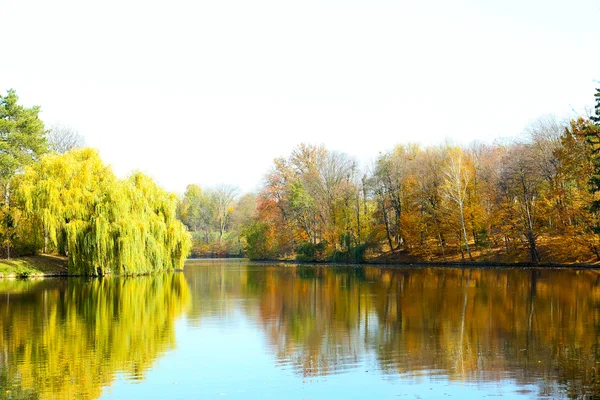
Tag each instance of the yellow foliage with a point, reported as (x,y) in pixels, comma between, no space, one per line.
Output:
(104,225)
(122,325)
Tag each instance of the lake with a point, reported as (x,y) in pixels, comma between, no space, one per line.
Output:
(236,329)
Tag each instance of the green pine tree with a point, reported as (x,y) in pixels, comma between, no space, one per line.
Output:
(22,141)
(592,136)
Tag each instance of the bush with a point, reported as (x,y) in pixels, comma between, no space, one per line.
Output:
(354,255)
(257,241)
(306,252)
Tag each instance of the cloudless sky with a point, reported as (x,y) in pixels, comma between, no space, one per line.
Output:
(211,92)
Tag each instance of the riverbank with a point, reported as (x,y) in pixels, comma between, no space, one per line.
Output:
(33,266)
(430,264)
(490,257)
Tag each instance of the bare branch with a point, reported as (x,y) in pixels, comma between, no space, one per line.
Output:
(63,138)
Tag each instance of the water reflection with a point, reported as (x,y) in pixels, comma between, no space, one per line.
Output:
(68,338)
(370,327)
(530,326)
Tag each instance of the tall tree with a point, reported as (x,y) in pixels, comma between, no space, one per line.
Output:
(596,118)
(576,166)
(522,181)
(196,210)
(592,136)
(458,178)
(222,197)
(22,140)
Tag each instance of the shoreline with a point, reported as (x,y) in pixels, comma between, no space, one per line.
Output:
(423,264)
(46,266)
(39,266)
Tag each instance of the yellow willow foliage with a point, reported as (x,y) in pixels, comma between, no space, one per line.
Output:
(71,338)
(104,225)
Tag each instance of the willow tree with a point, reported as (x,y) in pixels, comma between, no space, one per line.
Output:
(104,225)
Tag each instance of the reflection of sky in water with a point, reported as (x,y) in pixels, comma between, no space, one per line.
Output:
(231,358)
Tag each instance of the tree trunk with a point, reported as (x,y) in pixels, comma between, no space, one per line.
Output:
(535,257)
(387,225)
(358,218)
(464,229)
(6,217)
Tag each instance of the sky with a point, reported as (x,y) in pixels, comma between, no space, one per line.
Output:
(211,92)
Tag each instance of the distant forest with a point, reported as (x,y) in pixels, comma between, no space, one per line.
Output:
(533,199)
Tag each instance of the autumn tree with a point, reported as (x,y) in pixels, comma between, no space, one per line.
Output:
(312,200)
(458,177)
(429,201)
(576,168)
(521,182)
(388,181)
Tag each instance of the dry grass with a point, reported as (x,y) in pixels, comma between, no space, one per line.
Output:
(553,250)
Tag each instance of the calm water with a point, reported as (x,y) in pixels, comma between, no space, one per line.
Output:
(240,330)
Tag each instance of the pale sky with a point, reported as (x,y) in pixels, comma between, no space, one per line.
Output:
(211,92)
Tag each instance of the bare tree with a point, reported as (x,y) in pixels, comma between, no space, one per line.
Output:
(521,180)
(458,177)
(222,198)
(63,138)
(544,134)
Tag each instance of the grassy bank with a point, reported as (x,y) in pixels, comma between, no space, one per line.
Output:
(42,265)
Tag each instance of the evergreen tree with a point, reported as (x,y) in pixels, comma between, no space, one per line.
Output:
(596,118)
(22,141)
(592,136)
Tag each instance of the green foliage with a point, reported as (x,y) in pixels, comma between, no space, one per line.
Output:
(104,225)
(22,141)
(215,219)
(306,252)
(195,209)
(592,136)
(257,241)
(22,135)
(596,118)
(347,252)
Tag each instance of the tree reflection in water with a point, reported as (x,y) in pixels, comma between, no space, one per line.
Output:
(532,326)
(68,338)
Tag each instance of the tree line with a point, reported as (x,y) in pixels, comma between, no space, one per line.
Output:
(534,199)
(216,217)
(61,198)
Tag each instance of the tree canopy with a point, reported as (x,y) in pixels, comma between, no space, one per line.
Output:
(22,141)
(104,225)
(22,135)
(535,199)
